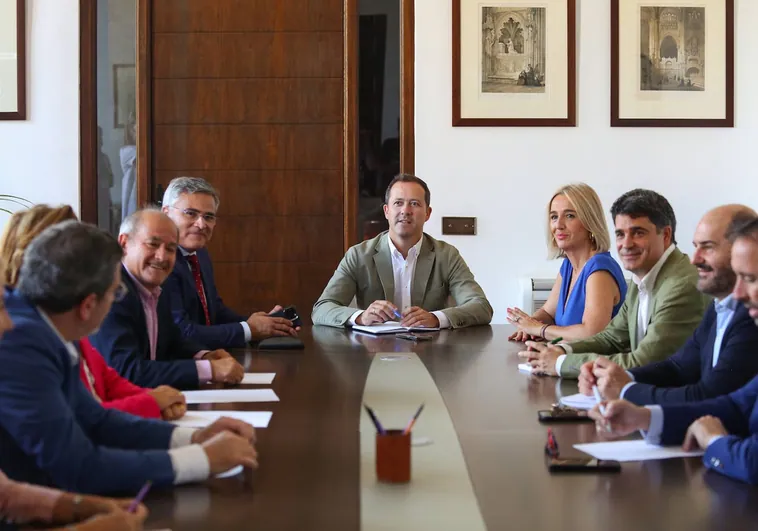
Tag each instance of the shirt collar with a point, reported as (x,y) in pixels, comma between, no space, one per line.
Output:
(647,282)
(72,352)
(144,292)
(186,252)
(727,304)
(413,251)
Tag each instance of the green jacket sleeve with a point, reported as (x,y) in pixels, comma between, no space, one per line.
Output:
(614,337)
(331,308)
(677,314)
(472,308)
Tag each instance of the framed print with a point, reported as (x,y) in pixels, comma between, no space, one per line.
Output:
(124,93)
(672,63)
(514,63)
(12,59)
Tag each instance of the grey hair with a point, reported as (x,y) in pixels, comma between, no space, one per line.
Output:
(66,263)
(134,220)
(188,185)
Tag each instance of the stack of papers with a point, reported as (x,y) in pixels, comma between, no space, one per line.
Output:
(579,401)
(258,378)
(633,451)
(202,419)
(392,327)
(219,396)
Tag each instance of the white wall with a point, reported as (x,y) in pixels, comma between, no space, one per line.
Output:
(39,157)
(504,176)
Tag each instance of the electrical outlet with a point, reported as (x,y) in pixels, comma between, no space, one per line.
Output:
(459,226)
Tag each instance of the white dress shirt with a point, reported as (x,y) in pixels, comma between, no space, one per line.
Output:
(403,270)
(189,461)
(645,287)
(245,326)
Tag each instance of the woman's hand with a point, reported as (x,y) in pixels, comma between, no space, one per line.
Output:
(526,324)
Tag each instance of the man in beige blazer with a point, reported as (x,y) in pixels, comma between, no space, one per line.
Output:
(403,274)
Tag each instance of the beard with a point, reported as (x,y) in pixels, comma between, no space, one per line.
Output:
(722,281)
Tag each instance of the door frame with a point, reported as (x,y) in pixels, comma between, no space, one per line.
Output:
(88,106)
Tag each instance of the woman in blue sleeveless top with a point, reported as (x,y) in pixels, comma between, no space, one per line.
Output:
(590,287)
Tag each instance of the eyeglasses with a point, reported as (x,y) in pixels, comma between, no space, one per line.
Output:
(191,215)
(120,292)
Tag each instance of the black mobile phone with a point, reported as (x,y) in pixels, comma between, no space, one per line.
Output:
(581,464)
(414,337)
(563,415)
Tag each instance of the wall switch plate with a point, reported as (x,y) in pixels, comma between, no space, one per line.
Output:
(459,226)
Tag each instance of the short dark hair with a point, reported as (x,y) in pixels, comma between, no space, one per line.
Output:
(743,225)
(640,203)
(66,263)
(408,178)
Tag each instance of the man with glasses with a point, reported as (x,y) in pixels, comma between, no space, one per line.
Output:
(197,308)
(52,430)
(138,337)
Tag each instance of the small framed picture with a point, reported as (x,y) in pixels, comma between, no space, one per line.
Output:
(672,63)
(514,63)
(12,59)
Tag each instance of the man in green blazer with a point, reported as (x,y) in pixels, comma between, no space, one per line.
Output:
(663,306)
(403,274)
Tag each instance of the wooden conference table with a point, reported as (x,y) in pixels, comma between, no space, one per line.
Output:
(310,454)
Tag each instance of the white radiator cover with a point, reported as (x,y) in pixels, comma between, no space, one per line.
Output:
(534,293)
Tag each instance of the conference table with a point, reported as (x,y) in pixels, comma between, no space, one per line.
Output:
(309,476)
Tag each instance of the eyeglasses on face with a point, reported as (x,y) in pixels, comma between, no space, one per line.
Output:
(190,214)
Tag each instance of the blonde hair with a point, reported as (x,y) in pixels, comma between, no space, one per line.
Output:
(590,211)
(22,228)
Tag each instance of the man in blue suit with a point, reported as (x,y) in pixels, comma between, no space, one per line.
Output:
(52,430)
(138,337)
(725,427)
(719,357)
(198,310)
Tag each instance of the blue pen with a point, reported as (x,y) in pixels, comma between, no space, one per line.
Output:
(375,420)
(397,314)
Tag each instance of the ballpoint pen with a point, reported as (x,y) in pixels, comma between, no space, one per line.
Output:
(407,429)
(139,497)
(599,400)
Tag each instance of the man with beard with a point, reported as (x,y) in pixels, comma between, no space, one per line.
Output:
(725,427)
(718,358)
(403,274)
(662,307)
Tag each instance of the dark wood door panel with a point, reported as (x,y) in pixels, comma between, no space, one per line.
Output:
(247,15)
(272,193)
(216,55)
(247,101)
(277,239)
(248,147)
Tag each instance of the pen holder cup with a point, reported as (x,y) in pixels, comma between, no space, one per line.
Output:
(393,457)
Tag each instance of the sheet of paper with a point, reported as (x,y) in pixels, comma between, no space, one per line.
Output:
(258,378)
(221,396)
(579,401)
(201,419)
(633,451)
(525,367)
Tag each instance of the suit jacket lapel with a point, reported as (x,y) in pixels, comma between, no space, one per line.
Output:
(424,265)
(383,263)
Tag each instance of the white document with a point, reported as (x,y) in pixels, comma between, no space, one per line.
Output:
(579,401)
(222,396)
(633,451)
(525,367)
(258,378)
(202,419)
(392,327)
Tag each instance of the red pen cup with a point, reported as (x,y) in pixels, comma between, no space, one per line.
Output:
(393,456)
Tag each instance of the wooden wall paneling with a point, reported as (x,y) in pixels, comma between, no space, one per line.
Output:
(88,110)
(145,195)
(407,87)
(350,123)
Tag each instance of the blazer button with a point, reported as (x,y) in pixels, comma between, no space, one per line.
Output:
(716,462)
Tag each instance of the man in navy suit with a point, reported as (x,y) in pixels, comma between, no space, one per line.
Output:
(725,427)
(138,337)
(198,310)
(719,357)
(52,430)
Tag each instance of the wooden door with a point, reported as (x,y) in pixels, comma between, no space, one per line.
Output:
(250,95)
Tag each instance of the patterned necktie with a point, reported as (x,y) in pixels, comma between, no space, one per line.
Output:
(195,267)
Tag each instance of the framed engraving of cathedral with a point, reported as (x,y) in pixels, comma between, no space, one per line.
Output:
(672,63)
(514,62)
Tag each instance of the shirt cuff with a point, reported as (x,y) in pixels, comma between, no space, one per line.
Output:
(204,371)
(200,353)
(631,376)
(190,463)
(655,430)
(442,318)
(566,347)
(353,317)
(625,388)
(246,330)
(716,438)
(559,363)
